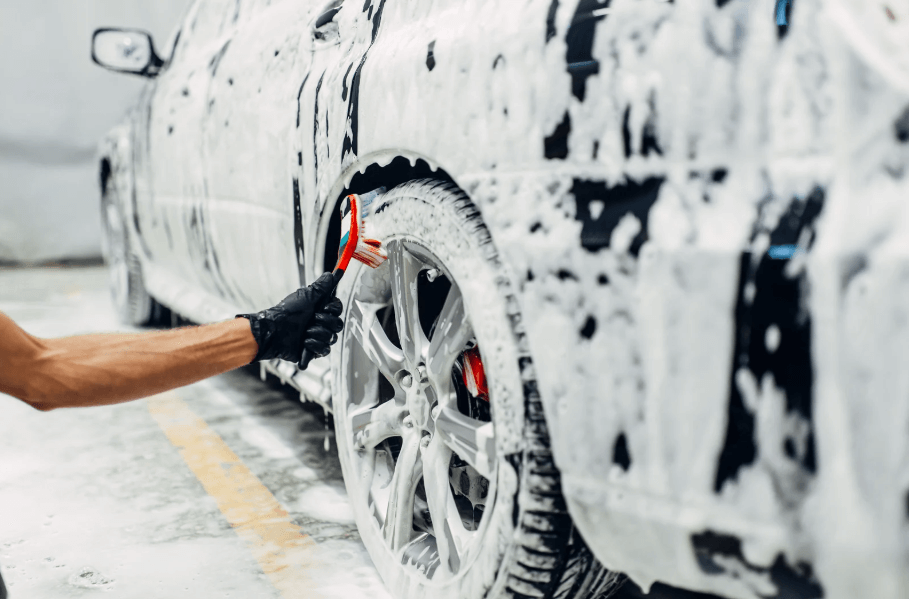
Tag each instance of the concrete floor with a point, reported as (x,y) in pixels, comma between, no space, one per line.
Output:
(101,499)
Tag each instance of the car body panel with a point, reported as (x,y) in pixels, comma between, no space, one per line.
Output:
(727,414)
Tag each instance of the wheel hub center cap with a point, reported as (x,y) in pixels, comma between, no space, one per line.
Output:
(418,406)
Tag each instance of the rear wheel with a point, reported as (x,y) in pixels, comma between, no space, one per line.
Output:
(440,429)
(133,303)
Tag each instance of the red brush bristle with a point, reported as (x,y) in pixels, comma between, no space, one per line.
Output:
(370,253)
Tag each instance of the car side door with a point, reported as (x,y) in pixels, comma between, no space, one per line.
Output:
(252,107)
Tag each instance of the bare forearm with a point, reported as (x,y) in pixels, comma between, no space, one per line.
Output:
(93,370)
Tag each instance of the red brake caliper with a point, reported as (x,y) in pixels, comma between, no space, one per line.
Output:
(473,374)
(465,480)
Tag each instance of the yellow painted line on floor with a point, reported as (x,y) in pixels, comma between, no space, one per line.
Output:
(287,556)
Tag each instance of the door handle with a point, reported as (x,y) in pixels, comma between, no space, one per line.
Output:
(321,29)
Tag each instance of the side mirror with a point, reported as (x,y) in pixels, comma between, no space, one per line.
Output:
(126,51)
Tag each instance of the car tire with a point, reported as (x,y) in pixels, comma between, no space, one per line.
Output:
(134,305)
(493,523)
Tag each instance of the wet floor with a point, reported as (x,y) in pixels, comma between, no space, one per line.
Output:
(150,498)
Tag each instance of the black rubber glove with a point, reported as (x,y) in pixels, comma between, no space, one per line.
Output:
(323,331)
(305,318)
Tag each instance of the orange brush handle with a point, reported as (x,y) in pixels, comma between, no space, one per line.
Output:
(353,234)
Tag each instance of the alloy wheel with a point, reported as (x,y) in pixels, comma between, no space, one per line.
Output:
(424,438)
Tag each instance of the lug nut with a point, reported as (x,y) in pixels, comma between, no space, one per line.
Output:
(408,422)
(421,372)
(406,381)
(432,274)
(424,442)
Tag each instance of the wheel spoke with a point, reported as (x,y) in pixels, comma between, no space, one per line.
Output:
(441,504)
(374,425)
(367,330)
(367,474)
(398,528)
(451,334)
(404,270)
(472,440)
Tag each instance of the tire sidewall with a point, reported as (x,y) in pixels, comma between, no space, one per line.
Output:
(430,218)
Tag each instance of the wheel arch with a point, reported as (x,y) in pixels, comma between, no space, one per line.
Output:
(387,169)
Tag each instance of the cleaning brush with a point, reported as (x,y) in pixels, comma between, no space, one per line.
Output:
(354,244)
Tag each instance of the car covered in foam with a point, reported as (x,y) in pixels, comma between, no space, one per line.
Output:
(645,305)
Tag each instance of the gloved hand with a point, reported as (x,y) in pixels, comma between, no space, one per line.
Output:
(305,318)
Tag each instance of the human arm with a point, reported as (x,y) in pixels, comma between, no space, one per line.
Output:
(102,369)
